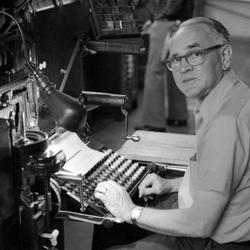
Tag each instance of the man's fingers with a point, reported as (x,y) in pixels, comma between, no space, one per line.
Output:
(145,184)
(101,187)
(109,189)
(145,192)
(114,184)
(148,197)
(100,196)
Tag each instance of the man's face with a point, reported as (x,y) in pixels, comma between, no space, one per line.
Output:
(196,81)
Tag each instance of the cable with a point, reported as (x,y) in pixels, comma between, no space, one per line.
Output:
(25,53)
(56,188)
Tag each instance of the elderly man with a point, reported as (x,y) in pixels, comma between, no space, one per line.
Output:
(213,197)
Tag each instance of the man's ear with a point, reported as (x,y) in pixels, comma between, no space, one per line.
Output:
(226,56)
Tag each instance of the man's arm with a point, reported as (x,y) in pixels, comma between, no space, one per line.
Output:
(197,221)
(221,164)
(154,184)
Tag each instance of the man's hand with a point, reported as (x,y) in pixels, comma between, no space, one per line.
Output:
(154,184)
(115,198)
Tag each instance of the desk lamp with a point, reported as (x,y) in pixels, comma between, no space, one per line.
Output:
(31,158)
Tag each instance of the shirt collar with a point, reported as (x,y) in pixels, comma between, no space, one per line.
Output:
(214,99)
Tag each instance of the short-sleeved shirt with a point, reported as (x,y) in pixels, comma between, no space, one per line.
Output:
(221,163)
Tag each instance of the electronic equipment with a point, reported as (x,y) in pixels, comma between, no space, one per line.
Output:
(41,5)
(114,27)
(34,162)
(19,103)
(131,46)
(25,167)
(114,18)
(85,167)
(81,188)
(42,174)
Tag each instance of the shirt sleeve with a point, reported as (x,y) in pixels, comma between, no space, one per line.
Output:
(223,155)
(171,9)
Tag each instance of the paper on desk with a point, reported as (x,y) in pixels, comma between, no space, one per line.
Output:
(168,148)
(79,157)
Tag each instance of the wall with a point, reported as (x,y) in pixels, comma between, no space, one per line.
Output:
(235,14)
(56,31)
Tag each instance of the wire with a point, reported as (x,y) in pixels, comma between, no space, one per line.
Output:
(56,188)
(25,52)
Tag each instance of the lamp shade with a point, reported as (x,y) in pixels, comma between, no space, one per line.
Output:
(67,111)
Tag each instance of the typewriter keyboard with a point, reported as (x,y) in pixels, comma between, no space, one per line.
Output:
(114,167)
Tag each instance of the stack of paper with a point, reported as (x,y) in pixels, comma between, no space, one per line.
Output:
(79,157)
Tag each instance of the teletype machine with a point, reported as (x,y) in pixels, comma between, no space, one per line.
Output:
(46,177)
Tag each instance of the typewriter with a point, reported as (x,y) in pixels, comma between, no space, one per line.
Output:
(84,169)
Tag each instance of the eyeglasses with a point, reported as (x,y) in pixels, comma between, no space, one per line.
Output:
(194,58)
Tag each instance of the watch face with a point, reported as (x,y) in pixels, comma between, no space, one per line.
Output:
(135,214)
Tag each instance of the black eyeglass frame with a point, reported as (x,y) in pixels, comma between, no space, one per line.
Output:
(202,52)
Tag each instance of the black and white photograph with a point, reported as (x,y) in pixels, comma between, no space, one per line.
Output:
(124,125)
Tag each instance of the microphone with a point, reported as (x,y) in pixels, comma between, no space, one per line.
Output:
(103,99)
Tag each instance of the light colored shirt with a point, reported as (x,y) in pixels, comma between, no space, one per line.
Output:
(222,161)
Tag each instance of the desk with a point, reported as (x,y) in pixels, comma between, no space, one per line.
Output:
(168,148)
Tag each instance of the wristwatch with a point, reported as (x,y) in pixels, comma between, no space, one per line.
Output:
(135,214)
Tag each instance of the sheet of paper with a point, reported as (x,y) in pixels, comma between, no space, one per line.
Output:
(79,157)
(160,147)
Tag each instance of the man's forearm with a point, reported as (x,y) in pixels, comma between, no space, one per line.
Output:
(175,184)
(198,220)
(172,222)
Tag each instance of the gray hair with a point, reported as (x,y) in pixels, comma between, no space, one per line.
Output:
(217,30)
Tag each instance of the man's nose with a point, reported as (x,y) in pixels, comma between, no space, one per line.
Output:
(185,65)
